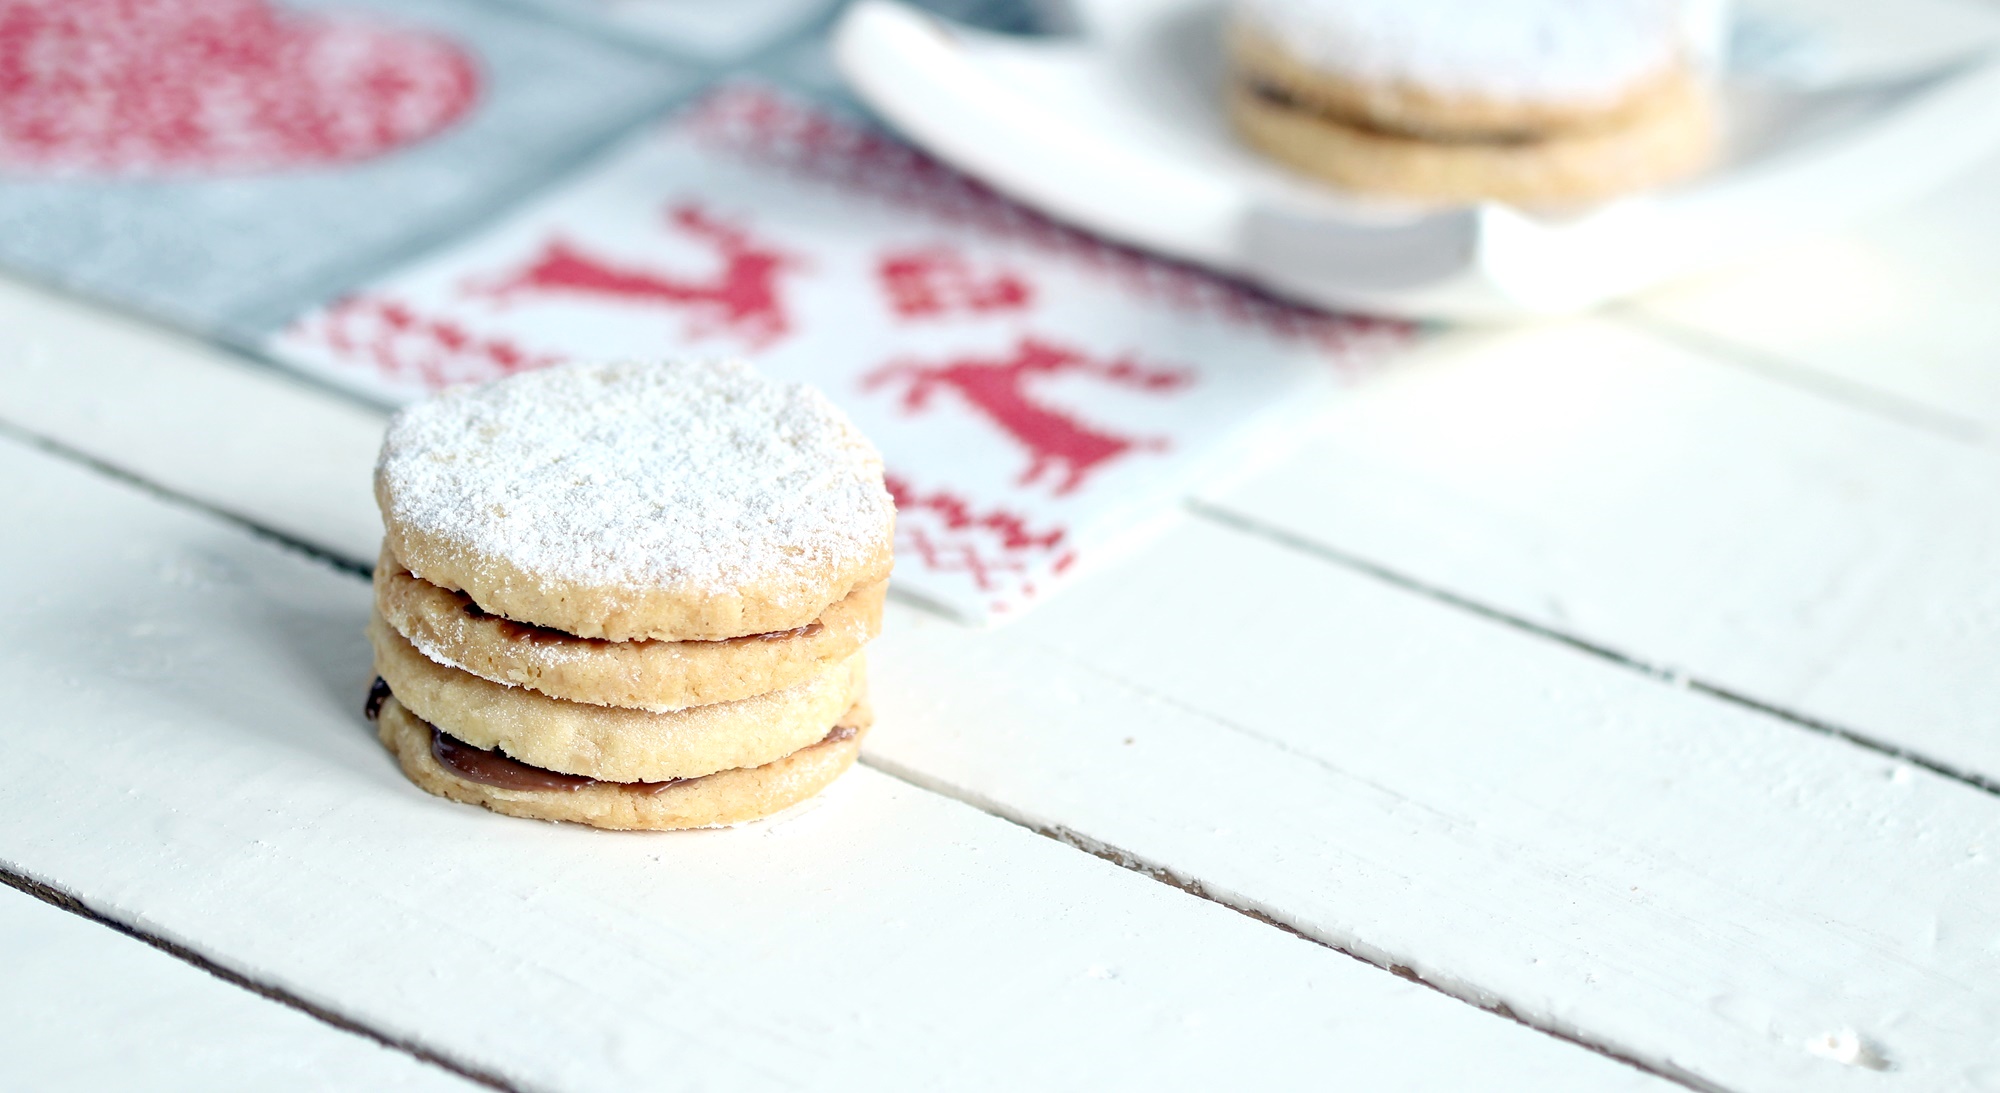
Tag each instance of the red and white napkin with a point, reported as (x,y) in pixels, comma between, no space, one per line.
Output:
(1037,394)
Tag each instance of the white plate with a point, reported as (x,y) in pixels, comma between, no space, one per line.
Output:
(1118,129)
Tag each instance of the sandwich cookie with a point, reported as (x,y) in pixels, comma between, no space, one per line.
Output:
(1536,102)
(628,595)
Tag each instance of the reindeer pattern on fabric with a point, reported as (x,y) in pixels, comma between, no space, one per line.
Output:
(1037,394)
(740,294)
(1060,447)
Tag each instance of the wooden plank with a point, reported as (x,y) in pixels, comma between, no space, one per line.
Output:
(198,420)
(1699,518)
(187,756)
(1449,794)
(83,1007)
(1515,820)
(1896,314)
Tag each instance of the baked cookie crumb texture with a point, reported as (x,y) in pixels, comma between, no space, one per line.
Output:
(684,501)
(610,742)
(640,674)
(1534,102)
(627,595)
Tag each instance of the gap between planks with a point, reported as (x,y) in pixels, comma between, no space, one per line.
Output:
(1804,378)
(1125,859)
(1247,525)
(1073,839)
(351,566)
(56,897)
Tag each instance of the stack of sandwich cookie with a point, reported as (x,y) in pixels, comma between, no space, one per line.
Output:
(1536,102)
(628,595)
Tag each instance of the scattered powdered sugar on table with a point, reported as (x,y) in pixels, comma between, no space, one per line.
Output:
(695,475)
(1507,49)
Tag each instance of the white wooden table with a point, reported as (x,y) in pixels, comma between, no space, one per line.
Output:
(1611,704)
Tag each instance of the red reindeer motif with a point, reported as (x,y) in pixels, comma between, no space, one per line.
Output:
(405,345)
(741,297)
(998,389)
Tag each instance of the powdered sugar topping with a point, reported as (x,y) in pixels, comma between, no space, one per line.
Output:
(1505,49)
(691,476)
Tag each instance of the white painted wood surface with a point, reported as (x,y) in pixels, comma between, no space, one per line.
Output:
(191,418)
(1681,510)
(1425,787)
(187,757)
(1900,313)
(1515,820)
(83,1007)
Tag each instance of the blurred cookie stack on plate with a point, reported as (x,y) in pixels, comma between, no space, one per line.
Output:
(628,595)
(1532,102)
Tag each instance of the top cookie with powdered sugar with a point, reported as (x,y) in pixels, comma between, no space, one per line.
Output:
(1467,68)
(690,500)
(1500,49)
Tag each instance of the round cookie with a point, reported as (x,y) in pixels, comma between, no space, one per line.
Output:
(717,800)
(1464,68)
(1420,111)
(449,628)
(604,742)
(692,500)
(1673,140)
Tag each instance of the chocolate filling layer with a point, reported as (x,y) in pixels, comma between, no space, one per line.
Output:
(378,692)
(1285,100)
(531,632)
(495,769)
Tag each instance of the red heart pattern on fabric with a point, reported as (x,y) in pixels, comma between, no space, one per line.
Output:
(214,87)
